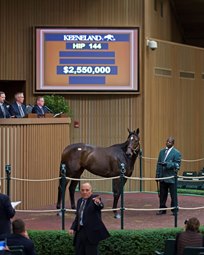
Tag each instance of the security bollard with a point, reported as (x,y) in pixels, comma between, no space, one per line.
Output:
(122,176)
(140,155)
(63,187)
(175,200)
(8,179)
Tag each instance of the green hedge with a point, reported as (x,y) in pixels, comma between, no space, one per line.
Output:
(51,242)
(136,242)
(121,242)
(191,192)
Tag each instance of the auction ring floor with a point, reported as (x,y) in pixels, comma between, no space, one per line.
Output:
(132,219)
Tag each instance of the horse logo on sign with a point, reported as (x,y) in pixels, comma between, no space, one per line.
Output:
(109,37)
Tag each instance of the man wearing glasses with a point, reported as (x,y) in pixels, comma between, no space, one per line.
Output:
(18,109)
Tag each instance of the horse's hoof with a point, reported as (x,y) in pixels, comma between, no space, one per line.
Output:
(117,216)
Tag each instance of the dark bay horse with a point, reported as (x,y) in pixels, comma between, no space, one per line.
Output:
(104,162)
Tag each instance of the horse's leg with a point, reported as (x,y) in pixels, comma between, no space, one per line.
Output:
(59,197)
(72,188)
(116,195)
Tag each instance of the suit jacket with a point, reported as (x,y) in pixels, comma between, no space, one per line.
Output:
(92,223)
(14,110)
(17,239)
(37,109)
(6,111)
(6,213)
(173,163)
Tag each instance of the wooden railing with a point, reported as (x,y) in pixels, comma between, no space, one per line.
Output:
(33,147)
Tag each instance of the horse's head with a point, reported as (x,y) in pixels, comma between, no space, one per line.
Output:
(133,146)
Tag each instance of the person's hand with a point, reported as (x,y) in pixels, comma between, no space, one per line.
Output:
(97,200)
(162,163)
(71,231)
(6,248)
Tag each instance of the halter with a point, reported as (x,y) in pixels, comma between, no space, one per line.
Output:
(136,149)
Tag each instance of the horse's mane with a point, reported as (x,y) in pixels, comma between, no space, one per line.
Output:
(123,146)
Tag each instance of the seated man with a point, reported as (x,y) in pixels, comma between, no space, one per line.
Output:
(18,109)
(20,237)
(4,113)
(39,108)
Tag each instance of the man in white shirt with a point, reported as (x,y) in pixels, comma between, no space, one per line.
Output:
(39,108)
(168,164)
(18,109)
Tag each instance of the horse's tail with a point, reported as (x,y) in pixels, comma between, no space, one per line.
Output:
(59,196)
(60,168)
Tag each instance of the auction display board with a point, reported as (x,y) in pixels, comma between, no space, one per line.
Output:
(86,60)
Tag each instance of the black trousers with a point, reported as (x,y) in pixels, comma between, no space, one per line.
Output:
(83,246)
(164,189)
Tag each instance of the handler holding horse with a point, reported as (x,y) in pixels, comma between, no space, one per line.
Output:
(104,162)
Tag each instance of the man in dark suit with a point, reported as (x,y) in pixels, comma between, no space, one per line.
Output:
(18,109)
(88,227)
(39,108)
(168,164)
(6,213)
(4,113)
(20,238)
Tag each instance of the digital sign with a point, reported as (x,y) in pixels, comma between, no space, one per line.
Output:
(87,60)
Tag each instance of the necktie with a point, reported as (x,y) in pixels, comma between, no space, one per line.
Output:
(21,111)
(80,213)
(165,154)
(3,110)
(42,110)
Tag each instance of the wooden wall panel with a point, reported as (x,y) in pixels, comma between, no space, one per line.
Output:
(160,26)
(33,149)
(103,119)
(173,104)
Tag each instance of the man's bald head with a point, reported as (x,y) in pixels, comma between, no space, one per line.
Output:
(86,190)
(170,142)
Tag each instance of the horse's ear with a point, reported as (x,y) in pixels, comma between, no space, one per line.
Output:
(128,130)
(137,131)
